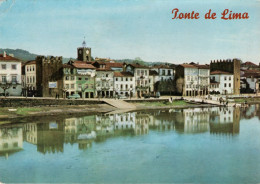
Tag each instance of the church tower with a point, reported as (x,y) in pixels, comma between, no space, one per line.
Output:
(84,53)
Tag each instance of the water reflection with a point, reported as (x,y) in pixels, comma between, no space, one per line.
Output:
(51,136)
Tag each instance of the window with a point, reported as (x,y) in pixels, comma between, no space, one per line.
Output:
(122,78)
(169,72)
(230,78)
(225,85)
(14,87)
(145,72)
(4,66)
(14,79)
(67,86)
(27,79)
(86,78)
(3,78)
(131,79)
(163,72)
(72,86)
(79,78)
(106,75)
(13,67)
(121,86)
(72,78)
(30,68)
(67,78)
(116,79)
(33,79)
(225,78)
(79,86)
(126,86)
(126,79)
(138,72)
(229,85)
(33,68)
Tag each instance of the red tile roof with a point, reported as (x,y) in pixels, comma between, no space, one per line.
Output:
(8,58)
(248,63)
(218,72)
(30,62)
(82,64)
(114,65)
(123,74)
(188,66)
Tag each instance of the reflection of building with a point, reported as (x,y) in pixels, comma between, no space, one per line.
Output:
(125,120)
(30,133)
(11,140)
(50,137)
(196,120)
(142,124)
(226,122)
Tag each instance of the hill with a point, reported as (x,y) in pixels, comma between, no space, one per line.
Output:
(24,55)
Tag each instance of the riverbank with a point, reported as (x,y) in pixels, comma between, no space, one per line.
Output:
(8,114)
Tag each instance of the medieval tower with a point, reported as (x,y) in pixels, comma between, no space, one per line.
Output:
(231,66)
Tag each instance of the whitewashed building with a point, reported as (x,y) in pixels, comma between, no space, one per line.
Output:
(124,83)
(164,72)
(141,76)
(10,75)
(223,82)
(195,79)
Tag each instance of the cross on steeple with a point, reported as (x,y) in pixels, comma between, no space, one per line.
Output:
(84,43)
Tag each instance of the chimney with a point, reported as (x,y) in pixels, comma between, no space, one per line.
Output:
(4,54)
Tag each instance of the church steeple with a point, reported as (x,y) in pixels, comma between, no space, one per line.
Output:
(84,53)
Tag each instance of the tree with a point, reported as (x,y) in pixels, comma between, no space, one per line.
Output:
(5,86)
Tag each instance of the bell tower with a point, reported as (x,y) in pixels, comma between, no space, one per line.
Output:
(84,53)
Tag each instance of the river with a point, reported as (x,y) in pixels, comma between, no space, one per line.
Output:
(193,145)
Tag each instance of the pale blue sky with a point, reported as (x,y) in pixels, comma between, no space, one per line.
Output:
(129,29)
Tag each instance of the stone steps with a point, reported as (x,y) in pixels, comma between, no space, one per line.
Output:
(121,104)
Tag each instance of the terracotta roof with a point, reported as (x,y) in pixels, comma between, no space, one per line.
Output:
(8,58)
(203,66)
(114,65)
(30,62)
(255,75)
(251,71)
(218,72)
(123,74)
(152,72)
(248,63)
(188,66)
(82,64)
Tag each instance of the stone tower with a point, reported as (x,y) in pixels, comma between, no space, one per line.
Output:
(231,66)
(84,53)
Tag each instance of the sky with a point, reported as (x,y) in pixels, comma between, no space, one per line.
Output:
(124,29)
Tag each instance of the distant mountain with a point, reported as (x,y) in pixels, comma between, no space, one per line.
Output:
(24,55)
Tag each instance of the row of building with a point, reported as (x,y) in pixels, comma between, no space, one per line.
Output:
(50,77)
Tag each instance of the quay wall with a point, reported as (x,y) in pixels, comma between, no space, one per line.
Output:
(23,102)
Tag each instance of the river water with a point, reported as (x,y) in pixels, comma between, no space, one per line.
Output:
(194,145)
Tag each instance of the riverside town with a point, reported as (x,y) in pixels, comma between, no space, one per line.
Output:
(120,91)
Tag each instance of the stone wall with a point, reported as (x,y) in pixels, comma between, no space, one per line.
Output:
(29,102)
